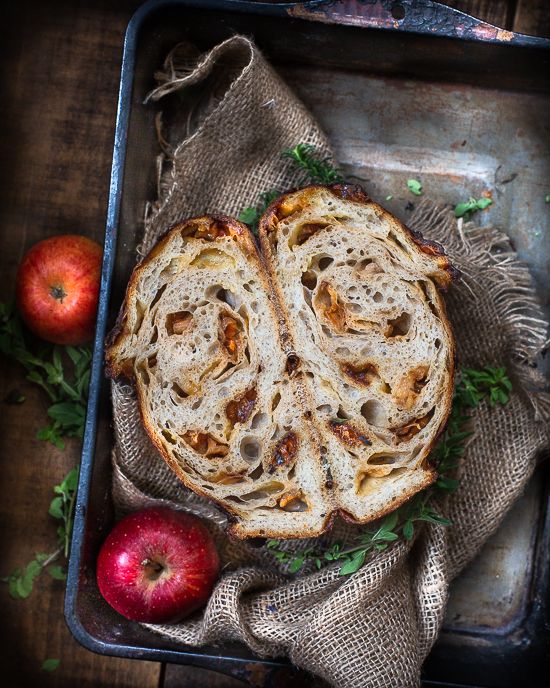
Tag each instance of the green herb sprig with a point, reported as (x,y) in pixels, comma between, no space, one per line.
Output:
(319,170)
(50,369)
(471,206)
(489,383)
(21,581)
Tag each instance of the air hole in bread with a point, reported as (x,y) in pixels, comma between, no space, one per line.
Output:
(213,259)
(152,361)
(406,432)
(325,262)
(223,372)
(292,364)
(293,502)
(265,491)
(257,472)
(224,478)
(169,437)
(250,449)
(324,408)
(343,415)
(399,327)
(367,482)
(306,231)
(178,323)
(309,280)
(431,305)
(374,413)
(342,351)
(181,393)
(159,293)
(140,314)
(275,401)
(383,459)
(226,296)
(437,343)
(377,297)
(196,404)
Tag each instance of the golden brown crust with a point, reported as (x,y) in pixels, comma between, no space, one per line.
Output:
(354,193)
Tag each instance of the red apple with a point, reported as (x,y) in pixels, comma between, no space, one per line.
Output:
(157,565)
(57,288)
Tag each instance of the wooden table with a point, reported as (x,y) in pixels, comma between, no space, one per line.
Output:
(61,66)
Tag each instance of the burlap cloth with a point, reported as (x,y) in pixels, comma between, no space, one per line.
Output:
(376,627)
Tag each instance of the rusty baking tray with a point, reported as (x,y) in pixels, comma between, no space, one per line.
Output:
(402,89)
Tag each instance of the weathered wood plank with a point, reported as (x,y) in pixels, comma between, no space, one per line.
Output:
(60,71)
(532,17)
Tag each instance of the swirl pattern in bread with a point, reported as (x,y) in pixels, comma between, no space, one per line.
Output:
(300,382)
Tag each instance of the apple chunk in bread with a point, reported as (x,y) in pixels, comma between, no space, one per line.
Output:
(293,385)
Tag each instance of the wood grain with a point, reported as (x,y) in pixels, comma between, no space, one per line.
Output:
(497,12)
(532,17)
(61,66)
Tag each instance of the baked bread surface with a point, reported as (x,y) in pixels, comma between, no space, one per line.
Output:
(307,380)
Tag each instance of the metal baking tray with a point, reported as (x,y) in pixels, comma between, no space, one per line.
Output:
(402,89)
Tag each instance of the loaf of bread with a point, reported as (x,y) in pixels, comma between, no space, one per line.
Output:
(305,380)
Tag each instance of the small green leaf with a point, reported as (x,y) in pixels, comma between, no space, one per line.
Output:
(471,206)
(388,198)
(71,479)
(57,572)
(408,530)
(547,198)
(296,563)
(248,215)
(353,564)
(50,664)
(56,507)
(414,186)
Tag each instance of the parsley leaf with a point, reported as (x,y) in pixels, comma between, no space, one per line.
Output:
(63,374)
(414,186)
(50,664)
(471,206)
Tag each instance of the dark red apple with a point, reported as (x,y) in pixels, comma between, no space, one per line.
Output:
(57,288)
(157,565)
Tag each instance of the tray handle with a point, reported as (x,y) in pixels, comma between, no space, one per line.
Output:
(410,16)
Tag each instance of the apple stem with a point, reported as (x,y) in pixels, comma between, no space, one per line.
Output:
(152,568)
(58,293)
